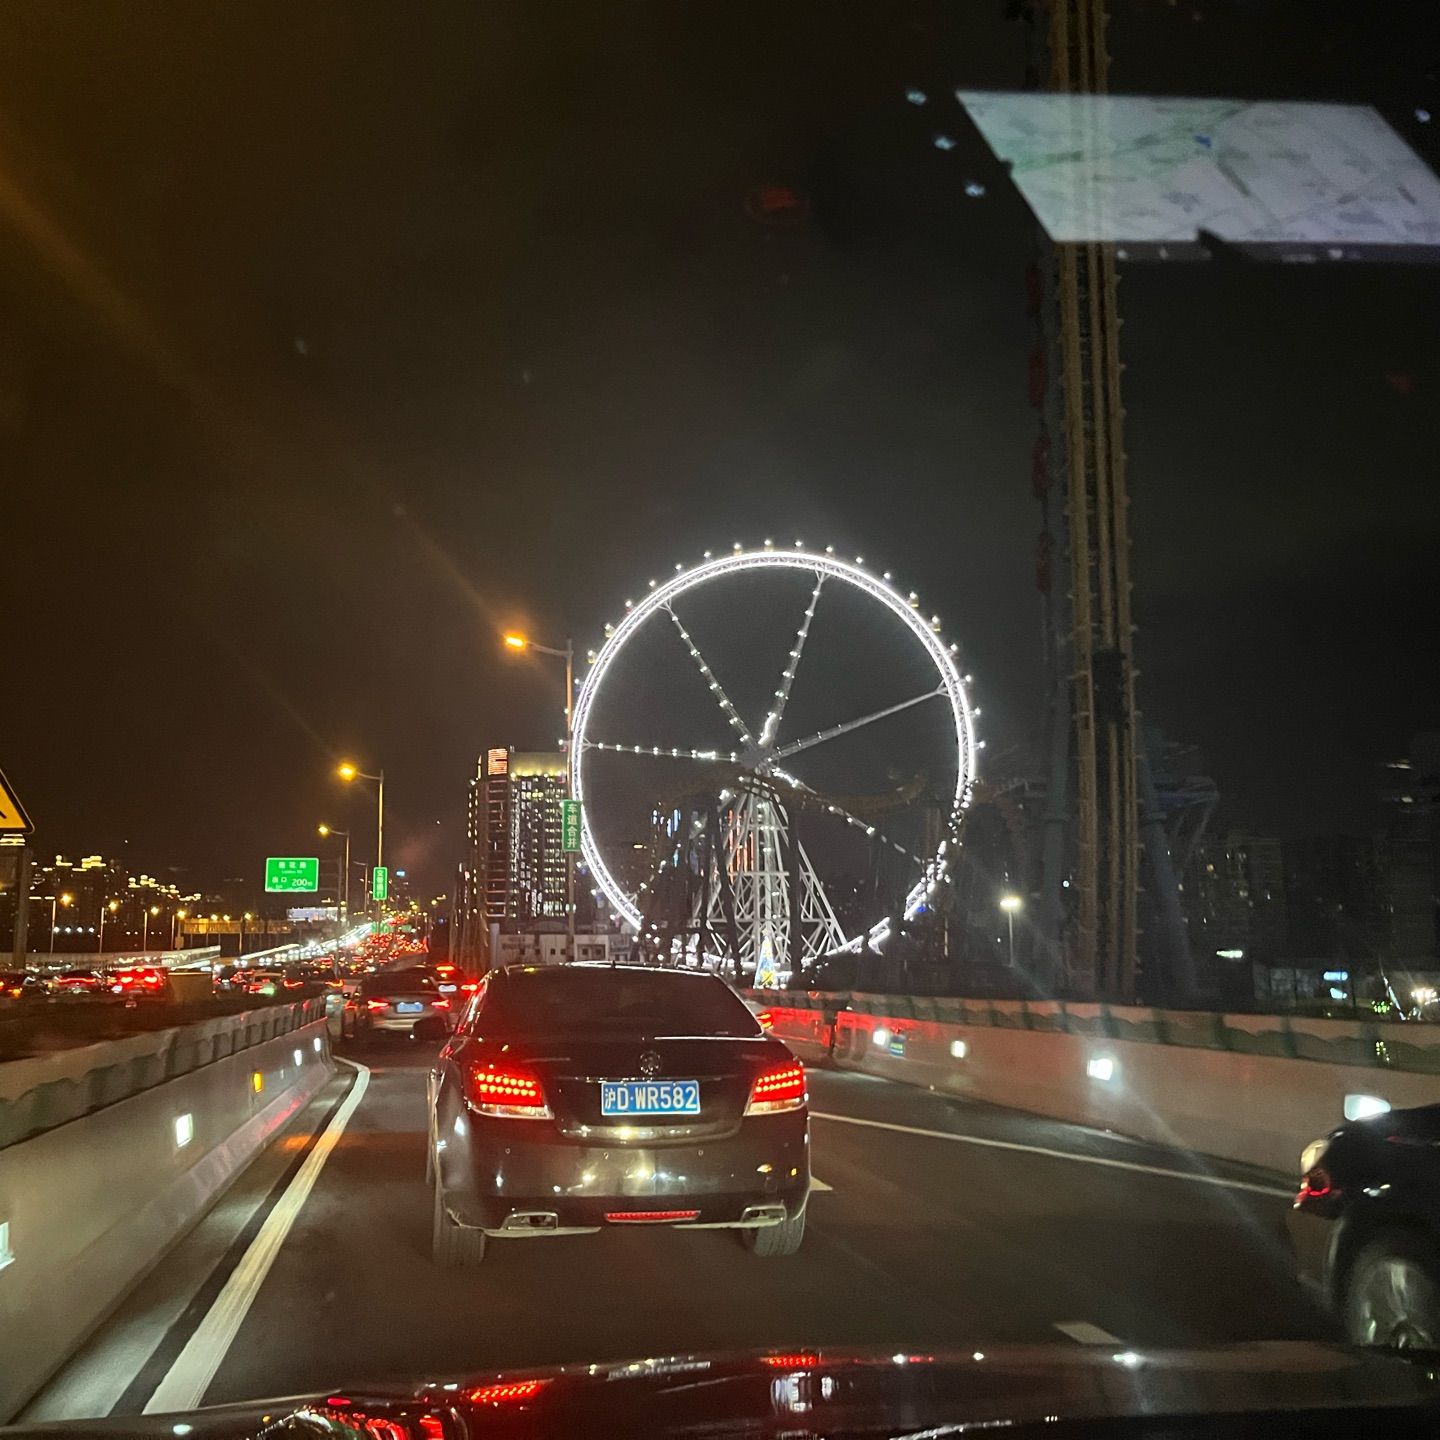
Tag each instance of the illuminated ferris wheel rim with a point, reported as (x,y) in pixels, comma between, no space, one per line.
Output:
(661,597)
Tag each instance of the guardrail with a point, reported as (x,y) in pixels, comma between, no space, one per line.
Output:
(128,1144)
(41,1092)
(1252,1088)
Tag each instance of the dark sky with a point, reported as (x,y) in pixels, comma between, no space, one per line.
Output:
(336,334)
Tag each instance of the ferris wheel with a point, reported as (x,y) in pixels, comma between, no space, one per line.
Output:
(761,890)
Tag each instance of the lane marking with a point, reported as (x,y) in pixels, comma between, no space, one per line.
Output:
(1057,1154)
(817,1184)
(1083,1332)
(187,1380)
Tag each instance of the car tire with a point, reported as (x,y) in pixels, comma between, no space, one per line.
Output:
(776,1240)
(452,1246)
(1392,1293)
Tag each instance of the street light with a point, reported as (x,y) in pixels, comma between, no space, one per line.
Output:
(518,642)
(175,928)
(145,926)
(111,906)
(66,900)
(1010,904)
(325,832)
(348,772)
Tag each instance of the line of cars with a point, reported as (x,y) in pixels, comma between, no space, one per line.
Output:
(22,987)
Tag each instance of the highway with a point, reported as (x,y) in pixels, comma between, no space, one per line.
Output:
(939,1223)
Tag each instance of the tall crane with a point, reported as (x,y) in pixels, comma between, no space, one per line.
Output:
(1093,719)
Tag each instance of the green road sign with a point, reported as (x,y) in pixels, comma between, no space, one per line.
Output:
(292,872)
(380,883)
(570,826)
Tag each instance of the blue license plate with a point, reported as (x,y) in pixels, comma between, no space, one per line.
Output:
(649,1097)
(409,1007)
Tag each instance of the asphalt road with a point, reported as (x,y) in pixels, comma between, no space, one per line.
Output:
(944,1223)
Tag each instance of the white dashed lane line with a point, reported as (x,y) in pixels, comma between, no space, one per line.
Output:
(1084,1333)
(1194,1177)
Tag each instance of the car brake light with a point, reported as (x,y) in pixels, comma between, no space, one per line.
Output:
(649,1217)
(509,1092)
(515,1393)
(470,986)
(778,1089)
(1314,1186)
(765,1018)
(152,980)
(377,1004)
(440,1003)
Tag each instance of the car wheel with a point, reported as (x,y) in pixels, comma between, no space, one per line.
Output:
(782,1239)
(1392,1295)
(452,1246)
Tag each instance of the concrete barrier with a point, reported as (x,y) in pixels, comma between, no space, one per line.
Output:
(1252,1088)
(89,1205)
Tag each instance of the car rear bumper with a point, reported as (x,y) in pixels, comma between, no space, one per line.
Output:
(492,1173)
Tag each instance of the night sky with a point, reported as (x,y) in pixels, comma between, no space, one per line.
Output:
(336,335)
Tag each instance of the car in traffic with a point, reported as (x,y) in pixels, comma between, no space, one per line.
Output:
(1365,1226)
(578,1097)
(397,1002)
(138,982)
(78,982)
(21,986)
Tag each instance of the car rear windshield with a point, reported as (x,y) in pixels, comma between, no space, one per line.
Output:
(572,1001)
(395,981)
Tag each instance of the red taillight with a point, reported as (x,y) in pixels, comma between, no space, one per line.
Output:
(516,1393)
(153,980)
(432,1427)
(377,1004)
(470,986)
(649,1217)
(506,1091)
(440,1003)
(1315,1186)
(779,1089)
(765,1018)
(802,1360)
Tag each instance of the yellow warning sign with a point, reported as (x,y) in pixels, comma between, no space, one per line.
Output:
(13,819)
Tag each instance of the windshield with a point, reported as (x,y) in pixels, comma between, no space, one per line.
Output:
(900,535)
(579,1003)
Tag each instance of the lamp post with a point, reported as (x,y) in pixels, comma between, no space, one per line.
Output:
(325,831)
(175,928)
(1010,904)
(348,772)
(66,900)
(522,643)
(110,906)
(145,926)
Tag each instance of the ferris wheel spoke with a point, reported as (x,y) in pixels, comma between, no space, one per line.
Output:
(820,736)
(841,813)
(716,689)
(792,664)
(665,752)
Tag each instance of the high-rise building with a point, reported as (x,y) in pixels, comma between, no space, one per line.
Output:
(513,875)
(1410,793)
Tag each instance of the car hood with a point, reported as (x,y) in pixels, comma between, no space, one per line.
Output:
(824,1392)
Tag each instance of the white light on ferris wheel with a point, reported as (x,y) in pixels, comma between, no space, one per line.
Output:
(951,687)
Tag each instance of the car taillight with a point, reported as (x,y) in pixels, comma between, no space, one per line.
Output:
(470,986)
(765,1018)
(506,1091)
(440,1003)
(377,1004)
(515,1393)
(1315,1185)
(778,1089)
(152,980)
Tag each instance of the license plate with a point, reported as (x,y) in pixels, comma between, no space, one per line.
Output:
(409,1007)
(649,1097)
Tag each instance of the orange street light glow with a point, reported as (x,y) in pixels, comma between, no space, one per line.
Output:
(347,771)
(516,642)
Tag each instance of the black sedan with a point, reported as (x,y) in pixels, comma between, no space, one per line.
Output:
(577,1097)
(1366,1226)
